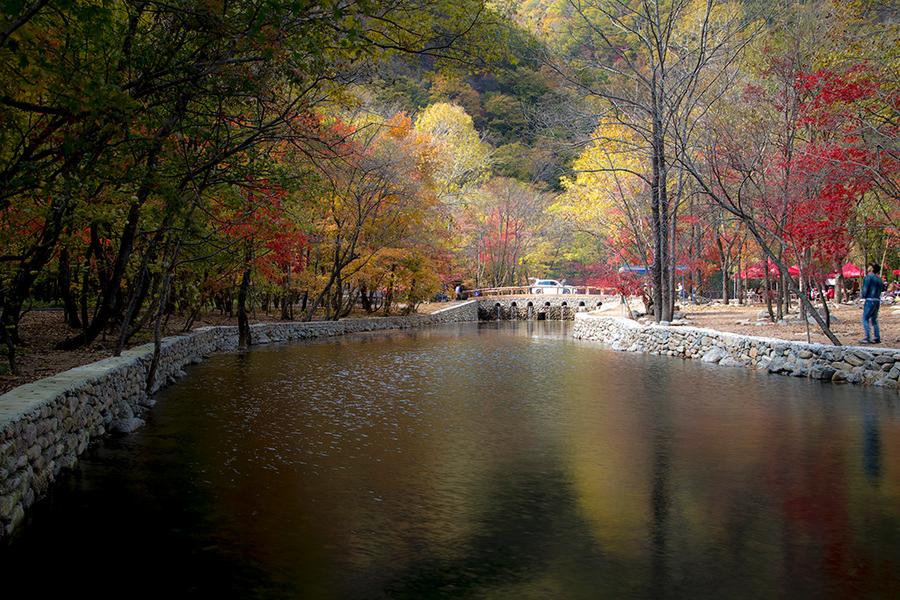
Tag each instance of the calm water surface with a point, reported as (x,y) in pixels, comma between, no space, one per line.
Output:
(479,462)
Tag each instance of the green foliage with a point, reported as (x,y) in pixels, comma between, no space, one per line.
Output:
(505,116)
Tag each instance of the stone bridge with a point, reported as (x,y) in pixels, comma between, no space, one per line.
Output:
(538,307)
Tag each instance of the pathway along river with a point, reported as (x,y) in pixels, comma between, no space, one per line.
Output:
(491,461)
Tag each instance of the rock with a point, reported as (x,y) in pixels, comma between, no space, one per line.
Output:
(805,353)
(677,316)
(858,357)
(714,355)
(822,373)
(854,360)
(840,376)
(883,359)
(7,504)
(812,321)
(126,425)
(841,366)
(887,383)
(18,514)
(729,361)
(870,376)
(778,365)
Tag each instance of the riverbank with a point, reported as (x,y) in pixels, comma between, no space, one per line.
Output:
(46,424)
(42,330)
(870,365)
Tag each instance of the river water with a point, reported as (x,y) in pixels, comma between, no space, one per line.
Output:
(490,461)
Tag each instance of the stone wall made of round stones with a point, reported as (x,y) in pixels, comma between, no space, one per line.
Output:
(840,364)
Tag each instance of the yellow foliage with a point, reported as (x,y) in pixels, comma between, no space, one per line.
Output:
(459,158)
(606,181)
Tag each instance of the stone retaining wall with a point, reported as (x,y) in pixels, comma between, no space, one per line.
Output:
(840,364)
(46,424)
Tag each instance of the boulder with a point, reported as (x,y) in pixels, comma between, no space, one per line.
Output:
(840,376)
(714,355)
(858,357)
(778,365)
(126,425)
(822,373)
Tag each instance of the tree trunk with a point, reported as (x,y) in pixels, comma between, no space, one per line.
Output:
(364,297)
(726,283)
(389,295)
(815,314)
(286,298)
(64,281)
(244,340)
(15,294)
(107,306)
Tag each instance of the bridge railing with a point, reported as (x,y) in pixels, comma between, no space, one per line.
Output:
(527,290)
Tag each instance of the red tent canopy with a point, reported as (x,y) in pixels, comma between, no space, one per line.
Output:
(896,271)
(794,271)
(758,272)
(849,270)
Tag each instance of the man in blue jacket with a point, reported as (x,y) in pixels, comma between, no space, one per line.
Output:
(871,293)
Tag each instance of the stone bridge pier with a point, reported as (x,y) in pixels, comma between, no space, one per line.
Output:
(562,307)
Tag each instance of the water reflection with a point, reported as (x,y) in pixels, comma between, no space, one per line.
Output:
(871,443)
(500,461)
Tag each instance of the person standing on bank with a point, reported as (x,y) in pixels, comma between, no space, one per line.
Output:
(871,294)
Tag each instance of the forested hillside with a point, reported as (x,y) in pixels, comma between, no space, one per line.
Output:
(307,159)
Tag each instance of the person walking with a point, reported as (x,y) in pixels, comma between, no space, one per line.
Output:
(871,294)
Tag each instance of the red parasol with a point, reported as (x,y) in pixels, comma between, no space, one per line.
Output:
(849,270)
